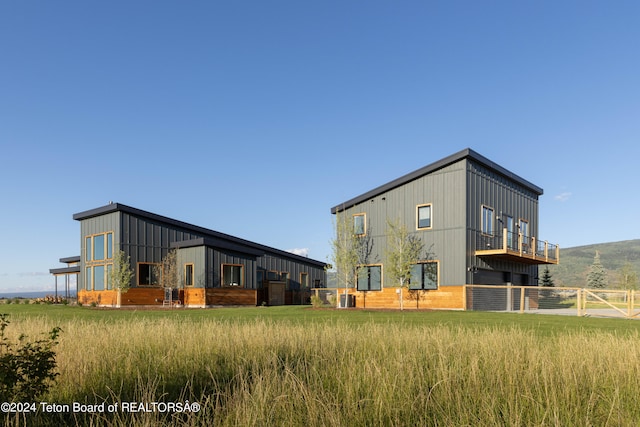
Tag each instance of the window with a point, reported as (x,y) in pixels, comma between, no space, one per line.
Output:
(487,220)
(147,275)
(304,280)
(87,279)
(98,278)
(424,216)
(524,230)
(273,275)
(98,247)
(232,275)
(424,276)
(87,248)
(284,277)
(510,231)
(109,245)
(359,224)
(109,270)
(370,278)
(260,278)
(188,274)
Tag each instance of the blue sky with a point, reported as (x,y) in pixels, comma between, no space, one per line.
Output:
(254,118)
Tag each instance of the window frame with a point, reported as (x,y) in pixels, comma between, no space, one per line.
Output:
(418,207)
(422,287)
(189,266)
(484,222)
(222,276)
(304,280)
(151,275)
(526,237)
(368,269)
(364,224)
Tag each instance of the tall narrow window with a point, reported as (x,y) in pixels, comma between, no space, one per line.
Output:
(232,275)
(424,276)
(87,248)
(304,280)
(359,224)
(510,232)
(87,279)
(109,245)
(188,274)
(524,230)
(108,278)
(424,216)
(370,278)
(487,220)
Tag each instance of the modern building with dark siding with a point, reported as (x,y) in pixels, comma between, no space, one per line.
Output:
(478,221)
(215,268)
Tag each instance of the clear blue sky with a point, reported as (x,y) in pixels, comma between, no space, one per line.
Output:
(254,118)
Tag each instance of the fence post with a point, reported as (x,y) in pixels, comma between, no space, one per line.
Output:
(579,301)
(522,290)
(464,297)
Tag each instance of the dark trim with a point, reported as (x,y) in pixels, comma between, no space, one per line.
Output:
(71,259)
(66,270)
(215,236)
(217,244)
(461,155)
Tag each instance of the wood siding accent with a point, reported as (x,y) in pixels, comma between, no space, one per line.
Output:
(231,296)
(446,297)
(134,296)
(193,297)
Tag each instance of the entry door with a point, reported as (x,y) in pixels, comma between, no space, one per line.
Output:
(275,293)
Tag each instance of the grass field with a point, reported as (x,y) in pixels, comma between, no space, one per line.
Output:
(300,366)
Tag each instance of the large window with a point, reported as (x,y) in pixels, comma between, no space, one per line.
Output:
(510,231)
(147,274)
(359,224)
(370,278)
(424,216)
(188,274)
(487,220)
(232,275)
(424,276)
(98,249)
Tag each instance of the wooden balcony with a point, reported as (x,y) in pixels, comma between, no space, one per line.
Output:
(517,247)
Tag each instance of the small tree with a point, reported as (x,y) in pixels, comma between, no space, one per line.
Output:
(121,274)
(345,251)
(547,279)
(167,270)
(628,278)
(402,252)
(597,277)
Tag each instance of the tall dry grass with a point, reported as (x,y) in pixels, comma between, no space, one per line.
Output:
(268,373)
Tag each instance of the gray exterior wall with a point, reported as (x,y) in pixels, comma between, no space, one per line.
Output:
(147,238)
(507,198)
(456,191)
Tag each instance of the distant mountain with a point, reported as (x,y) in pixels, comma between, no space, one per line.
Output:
(575,262)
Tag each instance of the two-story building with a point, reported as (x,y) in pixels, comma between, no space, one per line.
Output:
(478,222)
(214,268)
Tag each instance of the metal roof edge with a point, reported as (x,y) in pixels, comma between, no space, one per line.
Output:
(114,207)
(430,168)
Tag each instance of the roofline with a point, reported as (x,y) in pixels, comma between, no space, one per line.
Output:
(64,270)
(70,259)
(456,157)
(233,241)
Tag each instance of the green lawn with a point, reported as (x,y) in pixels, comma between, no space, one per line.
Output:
(544,325)
(299,366)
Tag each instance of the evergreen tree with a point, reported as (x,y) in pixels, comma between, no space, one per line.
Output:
(597,277)
(547,279)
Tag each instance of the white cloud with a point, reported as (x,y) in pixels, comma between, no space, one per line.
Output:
(563,197)
(299,251)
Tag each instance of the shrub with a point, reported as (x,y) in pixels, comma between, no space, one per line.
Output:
(26,368)
(316,301)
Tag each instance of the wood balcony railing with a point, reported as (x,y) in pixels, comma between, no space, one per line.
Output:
(517,247)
